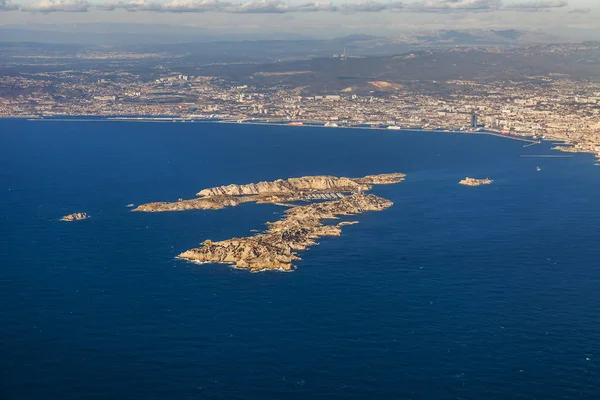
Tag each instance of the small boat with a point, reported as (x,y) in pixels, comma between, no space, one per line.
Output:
(130,205)
(538,168)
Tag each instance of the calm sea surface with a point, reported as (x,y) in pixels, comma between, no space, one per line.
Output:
(454,293)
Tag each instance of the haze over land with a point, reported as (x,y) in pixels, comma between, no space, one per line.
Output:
(194,20)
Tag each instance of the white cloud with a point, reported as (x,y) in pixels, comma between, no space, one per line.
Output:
(455,5)
(130,5)
(580,11)
(250,7)
(48,6)
(176,6)
(6,5)
(279,7)
(193,5)
(373,6)
(447,6)
(283,6)
(539,5)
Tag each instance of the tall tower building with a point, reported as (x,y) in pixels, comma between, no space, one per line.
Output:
(473,120)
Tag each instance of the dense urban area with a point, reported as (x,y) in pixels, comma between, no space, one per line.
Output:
(549,105)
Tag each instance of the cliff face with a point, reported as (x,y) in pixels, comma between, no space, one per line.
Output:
(284,186)
(277,247)
(321,187)
(324,183)
(212,203)
(381,179)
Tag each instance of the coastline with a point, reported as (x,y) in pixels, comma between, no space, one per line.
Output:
(562,144)
(312,124)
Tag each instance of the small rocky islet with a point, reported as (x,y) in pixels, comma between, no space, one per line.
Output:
(75,217)
(475,182)
(277,248)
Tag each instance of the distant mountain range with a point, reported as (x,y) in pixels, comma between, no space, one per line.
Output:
(134,34)
(198,46)
(474,37)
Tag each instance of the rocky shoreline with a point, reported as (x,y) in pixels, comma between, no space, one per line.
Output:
(580,147)
(277,248)
(306,188)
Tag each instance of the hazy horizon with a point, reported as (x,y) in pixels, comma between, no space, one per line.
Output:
(574,19)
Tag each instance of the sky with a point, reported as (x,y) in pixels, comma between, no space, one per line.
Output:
(580,18)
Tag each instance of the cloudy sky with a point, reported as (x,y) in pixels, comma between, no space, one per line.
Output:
(318,18)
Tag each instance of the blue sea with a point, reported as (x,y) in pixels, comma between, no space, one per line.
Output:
(455,292)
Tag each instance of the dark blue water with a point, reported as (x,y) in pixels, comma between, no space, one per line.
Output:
(454,293)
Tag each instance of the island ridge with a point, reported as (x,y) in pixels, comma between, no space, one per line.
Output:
(306,188)
(277,247)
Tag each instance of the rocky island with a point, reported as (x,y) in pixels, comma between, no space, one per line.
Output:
(277,248)
(307,188)
(74,217)
(475,182)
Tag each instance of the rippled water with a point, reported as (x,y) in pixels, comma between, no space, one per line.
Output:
(455,292)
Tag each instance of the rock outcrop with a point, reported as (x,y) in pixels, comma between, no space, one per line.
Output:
(324,183)
(212,203)
(74,217)
(381,179)
(475,182)
(277,247)
(281,191)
